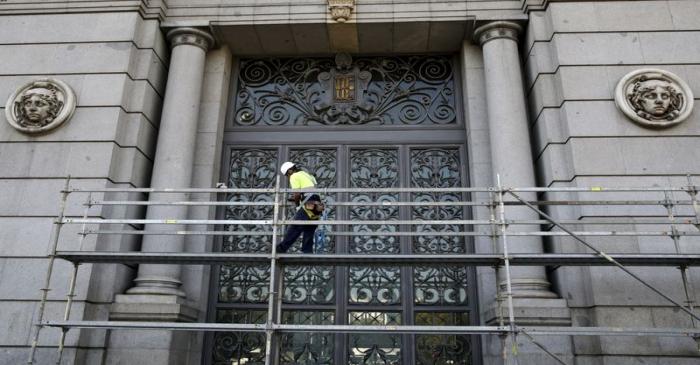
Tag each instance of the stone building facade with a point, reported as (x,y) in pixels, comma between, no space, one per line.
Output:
(176,93)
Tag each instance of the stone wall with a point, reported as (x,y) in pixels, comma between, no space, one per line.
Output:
(576,52)
(116,63)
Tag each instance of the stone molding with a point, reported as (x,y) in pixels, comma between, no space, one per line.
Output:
(654,98)
(341,10)
(497,30)
(40,106)
(191,36)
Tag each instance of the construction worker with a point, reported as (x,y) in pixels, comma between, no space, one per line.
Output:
(309,206)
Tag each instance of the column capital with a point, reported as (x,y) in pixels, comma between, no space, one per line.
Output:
(192,36)
(497,29)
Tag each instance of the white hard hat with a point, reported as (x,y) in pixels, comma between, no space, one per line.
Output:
(286,166)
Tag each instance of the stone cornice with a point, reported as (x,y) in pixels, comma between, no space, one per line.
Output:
(173,13)
(149,9)
(497,30)
(534,5)
(192,36)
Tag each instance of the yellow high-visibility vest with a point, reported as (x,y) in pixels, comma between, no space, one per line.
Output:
(301,180)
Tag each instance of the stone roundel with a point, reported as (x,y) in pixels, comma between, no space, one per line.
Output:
(654,98)
(40,106)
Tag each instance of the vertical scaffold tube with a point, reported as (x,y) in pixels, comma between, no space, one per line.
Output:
(52,258)
(272,302)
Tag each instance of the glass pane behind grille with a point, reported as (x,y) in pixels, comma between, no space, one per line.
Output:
(239,348)
(374,349)
(308,348)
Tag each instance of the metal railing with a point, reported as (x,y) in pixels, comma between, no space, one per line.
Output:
(496,228)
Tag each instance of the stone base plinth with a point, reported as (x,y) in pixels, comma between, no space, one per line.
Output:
(150,307)
(529,312)
(532,312)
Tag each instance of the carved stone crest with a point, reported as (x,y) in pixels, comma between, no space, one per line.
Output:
(40,106)
(654,98)
(343,90)
(341,9)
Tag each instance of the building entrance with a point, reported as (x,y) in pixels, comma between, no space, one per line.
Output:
(369,156)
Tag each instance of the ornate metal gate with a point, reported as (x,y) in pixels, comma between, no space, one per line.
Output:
(404,111)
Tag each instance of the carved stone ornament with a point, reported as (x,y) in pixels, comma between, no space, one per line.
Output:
(497,30)
(40,106)
(654,98)
(190,36)
(341,9)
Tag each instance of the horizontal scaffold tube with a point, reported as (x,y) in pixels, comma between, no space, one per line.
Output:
(378,259)
(453,330)
(679,221)
(594,189)
(397,234)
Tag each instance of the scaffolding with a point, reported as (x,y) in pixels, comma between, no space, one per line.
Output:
(685,223)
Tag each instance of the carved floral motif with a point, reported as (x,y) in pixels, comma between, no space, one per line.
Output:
(654,98)
(40,106)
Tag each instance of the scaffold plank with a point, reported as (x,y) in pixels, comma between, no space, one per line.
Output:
(393,260)
(452,330)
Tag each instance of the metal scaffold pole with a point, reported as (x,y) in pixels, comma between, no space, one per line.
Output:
(506,261)
(58,224)
(498,225)
(497,273)
(274,290)
(74,276)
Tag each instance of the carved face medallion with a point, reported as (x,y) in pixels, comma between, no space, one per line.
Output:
(40,106)
(36,108)
(654,98)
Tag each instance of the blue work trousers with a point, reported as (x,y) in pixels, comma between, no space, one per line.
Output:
(294,231)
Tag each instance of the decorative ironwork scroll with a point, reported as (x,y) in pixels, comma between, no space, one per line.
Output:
(322,164)
(409,90)
(371,349)
(440,168)
(442,349)
(307,348)
(312,284)
(438,295)
(440,285)
(248,168)
(370,285)
(437,168)
(374,168)
(239,348)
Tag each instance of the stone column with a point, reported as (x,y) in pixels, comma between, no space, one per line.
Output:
(172,168)
(511,154)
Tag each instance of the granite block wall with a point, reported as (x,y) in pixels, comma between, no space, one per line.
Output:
(575,54)
(116,63)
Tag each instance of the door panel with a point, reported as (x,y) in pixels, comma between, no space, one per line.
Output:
(373,295)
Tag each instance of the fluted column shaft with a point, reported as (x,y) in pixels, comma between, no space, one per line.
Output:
(173,164)
(511,154)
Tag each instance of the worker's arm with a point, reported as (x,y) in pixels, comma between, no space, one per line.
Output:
(296,198)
